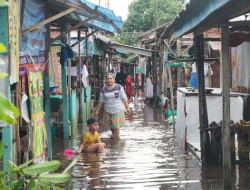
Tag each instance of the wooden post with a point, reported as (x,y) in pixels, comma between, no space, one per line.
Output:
(171,91)
(165,70)
(46,86)
(155,62)
(248,100)
(18,93)
(179,69)
(69,63)
(108,63)
(204,138)
(214,143)
(232,140)
(209,77)
(87,63)
(161,69)
(226,109)
(94,71)
(104,68)
(80,79)
(64,89)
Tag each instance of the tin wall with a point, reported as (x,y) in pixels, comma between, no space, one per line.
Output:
(240,62)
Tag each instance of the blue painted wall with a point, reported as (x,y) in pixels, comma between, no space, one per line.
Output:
(6,131)
(88,92)
(73,112)
(84,107)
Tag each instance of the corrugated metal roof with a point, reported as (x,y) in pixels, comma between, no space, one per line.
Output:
(108,43)
(204,13)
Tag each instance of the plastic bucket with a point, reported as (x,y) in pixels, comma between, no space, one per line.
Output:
(193,80)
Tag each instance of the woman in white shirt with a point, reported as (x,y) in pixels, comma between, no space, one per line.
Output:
(113,98)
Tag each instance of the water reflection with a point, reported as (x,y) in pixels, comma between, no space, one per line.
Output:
(145,156)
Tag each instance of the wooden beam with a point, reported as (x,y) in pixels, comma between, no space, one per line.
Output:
(174,54)
(73,28)
(226,131)
(82,39)
(39,30)
(211,39)
(88,8)
(48,20)
(22,14)
(78,17)
(227,24)
(112,23)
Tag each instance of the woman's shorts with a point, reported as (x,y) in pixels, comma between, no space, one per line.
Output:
(114,121)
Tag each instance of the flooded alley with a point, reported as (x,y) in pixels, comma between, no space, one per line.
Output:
(146,156)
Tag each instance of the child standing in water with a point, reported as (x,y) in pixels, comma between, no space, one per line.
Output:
(90,137)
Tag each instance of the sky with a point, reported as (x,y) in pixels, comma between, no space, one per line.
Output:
(120,7)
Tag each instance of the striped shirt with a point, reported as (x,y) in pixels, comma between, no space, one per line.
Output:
(112,99)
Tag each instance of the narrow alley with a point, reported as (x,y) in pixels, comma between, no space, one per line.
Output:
(146,156)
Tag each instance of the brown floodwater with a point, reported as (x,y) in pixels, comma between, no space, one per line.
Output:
(145,156)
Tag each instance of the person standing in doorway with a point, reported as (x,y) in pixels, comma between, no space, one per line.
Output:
(129,88)
(121,77)
(114,99)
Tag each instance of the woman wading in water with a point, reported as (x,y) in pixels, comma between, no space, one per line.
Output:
(113,98)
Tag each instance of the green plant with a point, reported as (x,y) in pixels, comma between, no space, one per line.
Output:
(4,3)
(9,180)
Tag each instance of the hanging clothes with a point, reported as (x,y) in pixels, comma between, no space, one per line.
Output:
(150,92)
(66,52)
(85,74)
(140,80)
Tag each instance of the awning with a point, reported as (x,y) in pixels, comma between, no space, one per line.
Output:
(109,44)
(84,13)
(126,63)
(201,15)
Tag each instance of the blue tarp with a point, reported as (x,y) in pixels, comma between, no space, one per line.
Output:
(97,24)
(120,51)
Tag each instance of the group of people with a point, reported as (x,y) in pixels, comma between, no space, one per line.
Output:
(115,101)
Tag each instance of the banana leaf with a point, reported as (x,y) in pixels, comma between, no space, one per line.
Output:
(42,168)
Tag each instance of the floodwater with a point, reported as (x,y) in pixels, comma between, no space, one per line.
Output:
(146,156)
